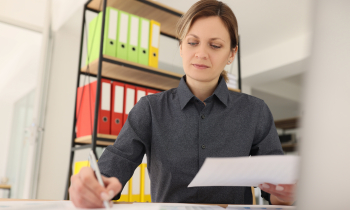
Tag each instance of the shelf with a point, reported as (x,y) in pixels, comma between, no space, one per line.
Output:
(289,147)
(108,140)
(4,186)
(131,72)
(119,69)
(166,16)
(287,123)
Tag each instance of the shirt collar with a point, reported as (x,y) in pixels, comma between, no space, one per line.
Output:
(185,94)
(222,91)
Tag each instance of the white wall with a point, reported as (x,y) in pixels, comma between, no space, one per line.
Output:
(324,172)
(18,76)
(60,110)
(6,114)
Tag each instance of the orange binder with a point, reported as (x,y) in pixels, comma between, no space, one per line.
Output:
(85,110)
(129,100)
(117,107)
(140,92)
(151,91)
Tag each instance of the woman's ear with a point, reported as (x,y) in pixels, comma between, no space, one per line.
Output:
(233,53)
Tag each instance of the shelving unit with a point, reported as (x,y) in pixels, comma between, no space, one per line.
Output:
(102,140)
(6,187)
(123,70)
(291,123)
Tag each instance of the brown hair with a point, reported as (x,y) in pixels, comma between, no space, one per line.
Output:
(206,8)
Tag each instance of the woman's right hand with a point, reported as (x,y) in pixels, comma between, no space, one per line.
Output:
(86,192)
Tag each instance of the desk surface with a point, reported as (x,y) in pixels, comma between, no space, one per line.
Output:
(68,205)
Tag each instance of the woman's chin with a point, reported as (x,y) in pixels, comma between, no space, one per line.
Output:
(200,77)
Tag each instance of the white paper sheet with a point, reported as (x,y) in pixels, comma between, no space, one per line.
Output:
(247,171)
(35,205)
(260,207)
(68,205)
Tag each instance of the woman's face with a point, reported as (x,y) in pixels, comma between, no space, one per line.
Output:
(206,49)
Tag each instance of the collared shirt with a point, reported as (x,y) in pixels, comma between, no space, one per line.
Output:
(178,132)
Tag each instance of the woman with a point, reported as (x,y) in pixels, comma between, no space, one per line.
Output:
(179,128)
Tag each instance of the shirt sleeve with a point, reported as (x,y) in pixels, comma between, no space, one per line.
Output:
(122,158)
(266,140)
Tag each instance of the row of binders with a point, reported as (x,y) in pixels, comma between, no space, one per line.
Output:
(137,189)
(117,100)
(232,83)
(126,36)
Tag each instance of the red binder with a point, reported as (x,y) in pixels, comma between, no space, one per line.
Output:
(85,109)
(140,92)
(151,91)
(117,107)
(129,100)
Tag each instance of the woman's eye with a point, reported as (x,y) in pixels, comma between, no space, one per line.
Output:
(192,43)
(216,47)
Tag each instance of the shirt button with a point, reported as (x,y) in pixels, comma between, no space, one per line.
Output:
(203,116)
(203,146)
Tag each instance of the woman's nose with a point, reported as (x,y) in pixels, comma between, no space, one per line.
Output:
(201,53)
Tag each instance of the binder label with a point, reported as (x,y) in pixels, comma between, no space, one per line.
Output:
(113,20)
(134,31)
(144,34)
(118,99)
(126,189)
(155,35)
(140,93)
(106,96)
(123,33)
(130,100)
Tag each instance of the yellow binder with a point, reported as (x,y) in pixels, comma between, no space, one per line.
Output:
(79,164)
(145,184)
(154,44)
(124,197)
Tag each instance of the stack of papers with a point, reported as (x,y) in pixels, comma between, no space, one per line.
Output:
(247,171)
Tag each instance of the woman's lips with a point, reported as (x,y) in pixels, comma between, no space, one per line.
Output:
(197,66)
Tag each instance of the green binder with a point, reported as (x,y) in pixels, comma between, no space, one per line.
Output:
(133,37)
(110,35)
(123,32)
(143,41)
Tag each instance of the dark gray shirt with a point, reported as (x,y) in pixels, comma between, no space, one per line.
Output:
(178,132)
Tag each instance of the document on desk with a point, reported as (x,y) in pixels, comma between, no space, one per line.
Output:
(247,171)
(68,205)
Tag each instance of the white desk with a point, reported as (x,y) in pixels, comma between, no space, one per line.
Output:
(68,205)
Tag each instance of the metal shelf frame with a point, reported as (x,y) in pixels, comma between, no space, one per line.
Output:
(98,95)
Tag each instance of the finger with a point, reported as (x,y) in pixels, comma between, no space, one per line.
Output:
(285,195)
(79,201)
(84,195)
(113,186)
(87,177)
(278,194)
(285,188)
(284,198)
(82,203)
(288,187)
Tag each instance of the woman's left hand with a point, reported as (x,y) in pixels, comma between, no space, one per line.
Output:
(282,194)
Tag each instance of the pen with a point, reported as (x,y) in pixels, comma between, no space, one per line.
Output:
(94,166)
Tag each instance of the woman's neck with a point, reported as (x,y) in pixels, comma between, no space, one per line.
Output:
(202,90)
